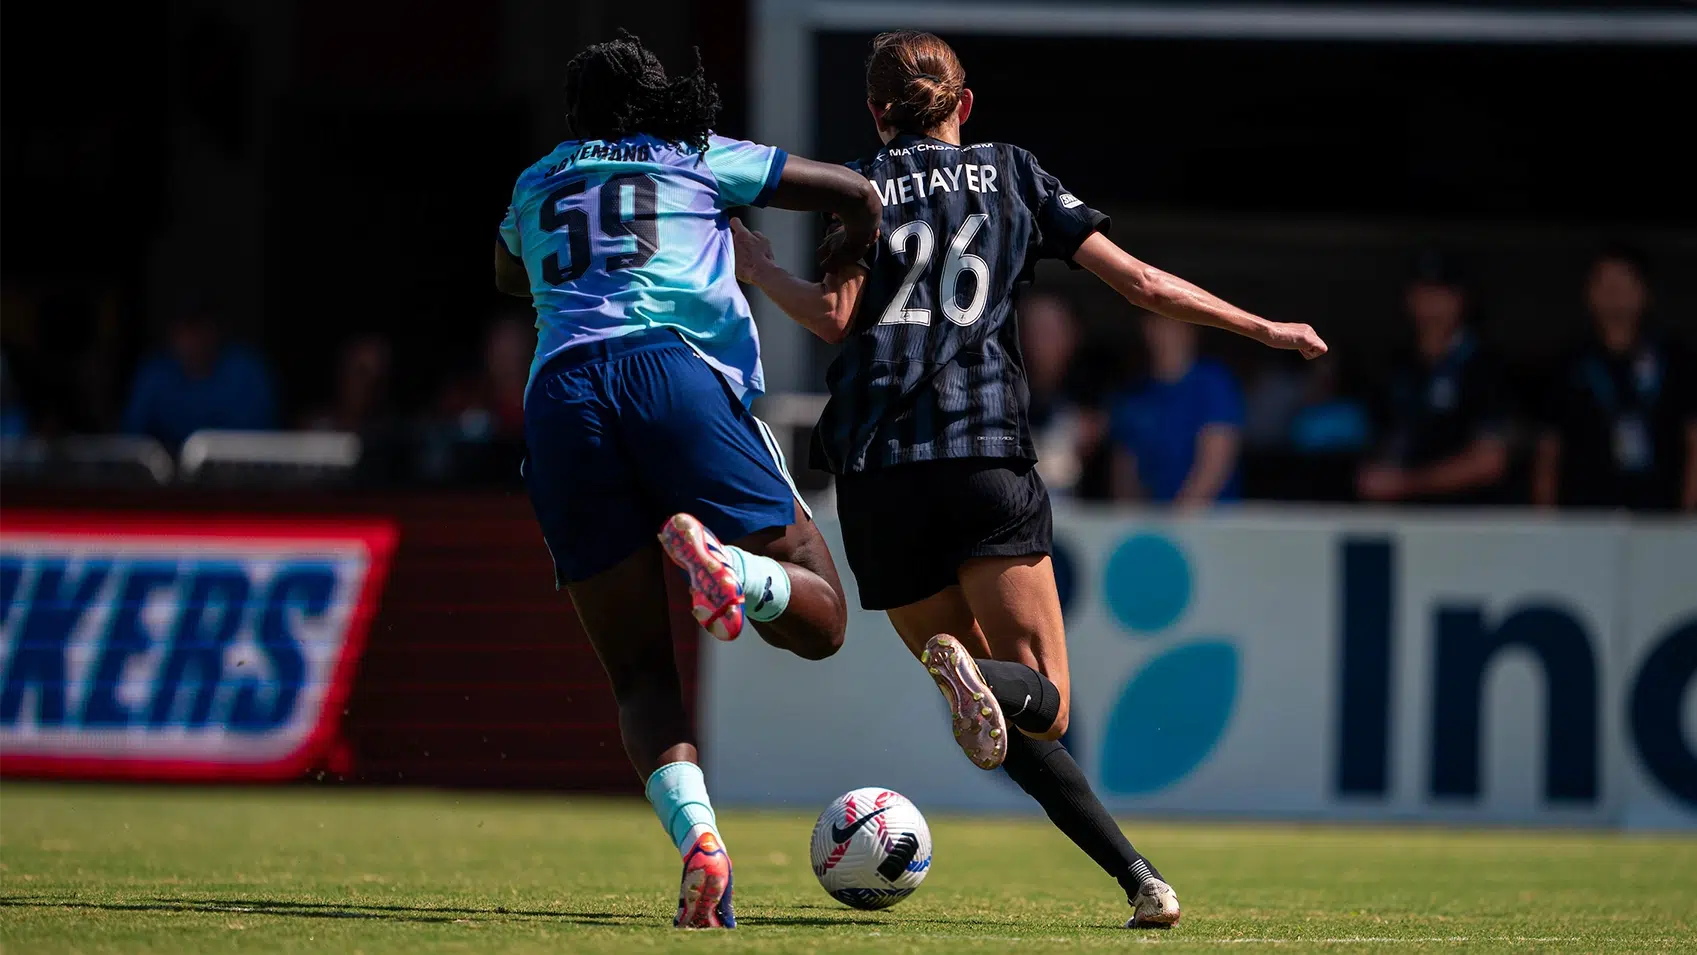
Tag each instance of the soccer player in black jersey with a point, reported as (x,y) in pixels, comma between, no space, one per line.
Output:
(945,522)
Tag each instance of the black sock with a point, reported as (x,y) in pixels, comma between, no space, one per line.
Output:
(1028,699)
(1049,774)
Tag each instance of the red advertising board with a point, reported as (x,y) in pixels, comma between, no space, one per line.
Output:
(457,663)
(181,647)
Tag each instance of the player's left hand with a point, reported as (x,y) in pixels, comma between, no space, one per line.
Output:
(754,251)
(1292,336)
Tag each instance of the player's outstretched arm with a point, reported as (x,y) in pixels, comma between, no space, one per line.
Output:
(824,308)
(1165,294)
(808,186)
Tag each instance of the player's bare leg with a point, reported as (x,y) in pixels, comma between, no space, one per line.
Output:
(941,632)
(781,579)
(625,613)
(1018,608)
(1007,613)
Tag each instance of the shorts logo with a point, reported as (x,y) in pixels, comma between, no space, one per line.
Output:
(180,648)
(1175,709)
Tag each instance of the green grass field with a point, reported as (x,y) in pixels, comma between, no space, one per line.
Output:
(101,869)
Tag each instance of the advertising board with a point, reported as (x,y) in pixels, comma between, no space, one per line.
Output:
(1467,668)
(181,648)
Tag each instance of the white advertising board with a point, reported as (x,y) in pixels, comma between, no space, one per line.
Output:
(1300,664)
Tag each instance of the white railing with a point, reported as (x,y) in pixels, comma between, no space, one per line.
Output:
(317,451)
(106,457)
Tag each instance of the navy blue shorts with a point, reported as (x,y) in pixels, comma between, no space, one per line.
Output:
(624,433)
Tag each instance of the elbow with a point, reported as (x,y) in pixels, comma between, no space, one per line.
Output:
(841,302)
(1140,286)
(867,205)
(833,326)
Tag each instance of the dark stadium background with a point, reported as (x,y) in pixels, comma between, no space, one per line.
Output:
(339,166)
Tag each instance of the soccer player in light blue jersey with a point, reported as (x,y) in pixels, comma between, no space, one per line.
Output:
(636,413)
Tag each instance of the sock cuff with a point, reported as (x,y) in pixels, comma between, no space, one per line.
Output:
(662,778)
(678,793)
(766,585)
(1029,700)
(1142,871)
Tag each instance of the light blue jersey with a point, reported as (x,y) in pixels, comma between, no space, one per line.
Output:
(623,236)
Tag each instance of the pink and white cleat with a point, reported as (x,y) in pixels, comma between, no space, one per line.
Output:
(715,589)
(704,896)
(980,729)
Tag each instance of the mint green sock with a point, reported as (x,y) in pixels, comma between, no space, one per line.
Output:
(765,585)
(678,793)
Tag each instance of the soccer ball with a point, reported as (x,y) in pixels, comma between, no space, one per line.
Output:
(871,848)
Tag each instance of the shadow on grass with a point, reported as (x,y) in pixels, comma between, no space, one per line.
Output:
(844,916)
(329,910)
(439,914)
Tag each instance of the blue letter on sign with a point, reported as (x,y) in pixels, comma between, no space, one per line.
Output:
(304,587)
(1368,569)
(125,637)
(38,652)
(1466,647)
(197,646)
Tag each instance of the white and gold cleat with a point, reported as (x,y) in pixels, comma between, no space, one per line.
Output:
(979,727)
(1154,906)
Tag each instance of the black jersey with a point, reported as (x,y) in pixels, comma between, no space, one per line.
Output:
(932,367)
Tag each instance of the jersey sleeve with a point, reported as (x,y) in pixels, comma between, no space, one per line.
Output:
(508,234)
(1063,220)
(746,173)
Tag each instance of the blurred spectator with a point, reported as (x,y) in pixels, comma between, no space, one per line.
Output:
(1444,409)
(14,422)
(199,381)
(1619,424)
(361,404)
(1048,338)
(490,404)
(1176,433)
(1328,422)
(1275,393)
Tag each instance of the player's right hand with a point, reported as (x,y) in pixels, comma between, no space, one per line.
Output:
(1292,336)
(754,251)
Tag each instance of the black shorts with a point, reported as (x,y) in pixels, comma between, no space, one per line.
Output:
(907,529)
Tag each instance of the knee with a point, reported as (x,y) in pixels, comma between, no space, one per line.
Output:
(821,646)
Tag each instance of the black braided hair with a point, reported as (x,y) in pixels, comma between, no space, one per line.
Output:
(618,89)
